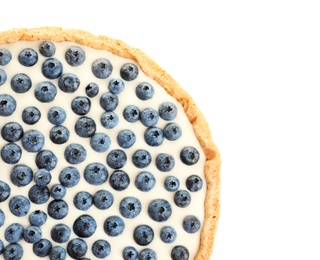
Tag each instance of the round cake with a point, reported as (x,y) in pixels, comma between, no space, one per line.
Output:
(103,154)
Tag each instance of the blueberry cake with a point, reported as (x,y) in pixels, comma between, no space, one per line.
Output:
(103,154)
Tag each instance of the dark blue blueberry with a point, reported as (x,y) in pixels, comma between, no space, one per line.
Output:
(101,68)
(52,68)
(191,224)
(60,233)
(168,234)
(31,115)
(113,226)
(11,153)
(38,194)
(46,159)
(3,77)
(165,162)
(42,177)
(96,173)
(182,198)
(81,105)
(194,183)
(56,115)
(75,153)
(84,226)
(59,134)
(33,141)
(145,181)
(7,105)
(21,175)
(143,235)
(1,247)
(42,248)
(83,200)
(69,176)
(126,138)
(5,191)
(141,158)
(147,254)
(172,131)
(37,218)
(168,111)
(77,248)
(12,132)
(189,155)
(149,117)
(130,253)
(45,91)
(101,248)
(14,233)
(159,210)
(103,199)
(32,234)
(28,57)
(92,89)
(5,57)
(85,127)
(116,86)
(153,136)
(13,251)
(144,91)
(129,71)
(130,207)
(109,120)
(69,82)
(119,180)
(19,205)
(171,183)
(2,218)
(131,113)
(58,253)
(100,142)
(58,191)
(47,49)
(179,253)
(21,83)
(75,56)
(116,159)
(109,101)
(58,209)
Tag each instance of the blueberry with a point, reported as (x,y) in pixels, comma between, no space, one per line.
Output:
(103,199)
(81,105)
(21,175)
(7,105)
(130,207)
(92,89)
(2,218)
(179,253)
(75,56)
(116,159)
(31,115)
(109,120)
(100,142)
(194,183)
(84,226)
(47,49)
(42,177)
(119,180)
(129,253)
(101,248)
(126,138)
(69,177)
(58,253)
(5,191)
(191,224)
(145,181)
(159,210)
(58,191)
(144,91)
(141,158)
(109,101)
(143,235)
(168,111)
(129,71)
(21,83)
(42,248)
(77,248)
(153,136)
(60,233)
(101,68)
(11,153)
(5,57)
(38,194)
(75,153)
(14,233)
(96,173)
(172,131)
(45,91)
(19,205)
(149,117)
(182,198)
(3,77)
(147,254)
(171,183)
(13,251)
(1,247)
(131,113)
(33,141)
(168,234)
(12,132)
(58,209)
(52,68)
(37,218)
(85,127)
(32,234)
(59,134)
(69,82)
(165,162)
(46,159)
(83,200)
(56,115)
(189,155)
(28,57)
(113,226)
(116,86)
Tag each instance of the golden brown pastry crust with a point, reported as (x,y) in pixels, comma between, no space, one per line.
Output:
(151,69)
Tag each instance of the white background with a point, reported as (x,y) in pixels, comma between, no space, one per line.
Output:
(253,68)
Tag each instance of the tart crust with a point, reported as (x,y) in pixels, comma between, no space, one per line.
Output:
(153,70)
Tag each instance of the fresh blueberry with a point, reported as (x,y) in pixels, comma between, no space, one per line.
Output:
(56,115)
(116,159)
(144,91)
(116,86)
(182,198)
(189,155)
(13,251)
(168,234)
(113,226)
(159,210)
(75,153)
(85,127)
(46,159)
(103,199)
(31,115)
(11,153)
(141,158)
(84,226)
(165,162)
(109,101)
(83,200)
(12,132)
(149,117)
(147,254)
(143,235)
(126,138)
(28,57)
(119,180)
(59,134)
(5,191)
(47,49)
(168,111)
(100,142)
(58,191)
(58,253)
(69,82)
(42,248)
(7,105)
(131,113)
(75,56)
(130,207)
(38,194)
(45,91)
(145,181)
(101,248)
(58,209)
(1,247)
(52,68)
(194,183)
(21,83)
(42,177)
(69,176)
(179,253)
(19,205)
(191,224)
(5,57)
(77,248)
(32,234)
(101,68)
(33,141)
(92,89)
(96,173)
(60,233)
(109,120)
(21,175)
(172,131)
(37,218)
(129,71)
(153,136)
(2,218)
(14,233)
(130,253)
(171,183)
(81,105)
(3,77)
